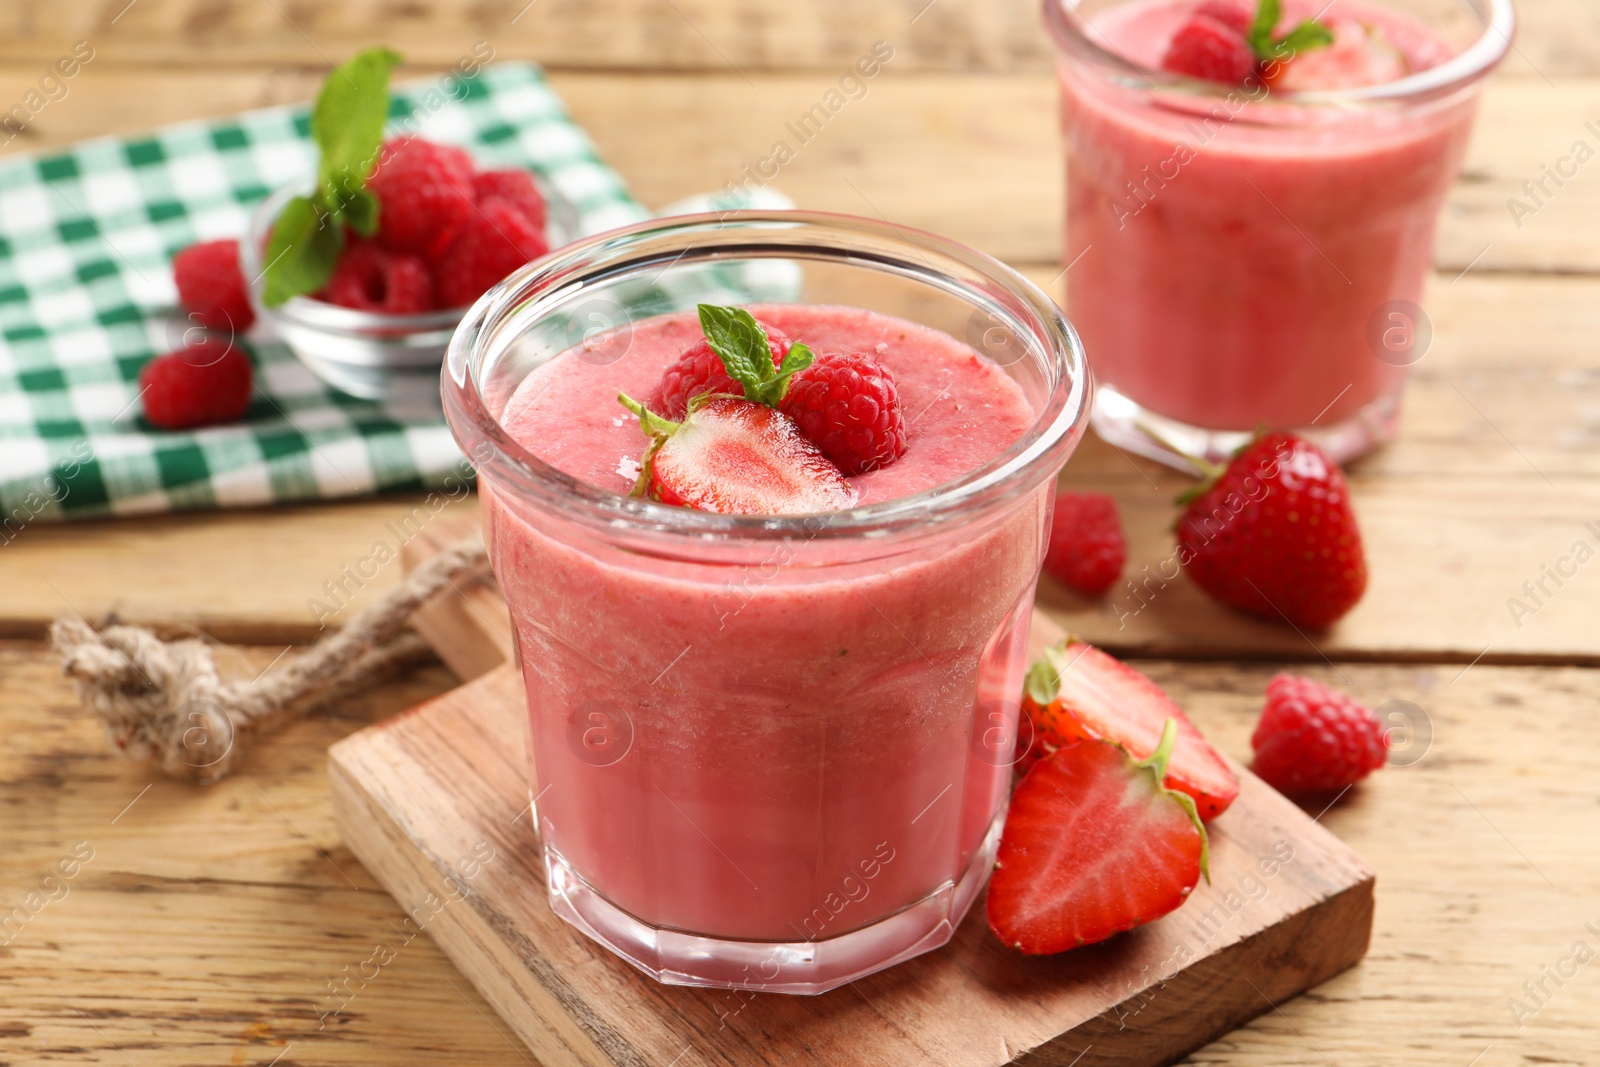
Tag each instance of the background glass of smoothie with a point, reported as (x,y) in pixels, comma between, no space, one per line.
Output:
(769,752)
(1252,256)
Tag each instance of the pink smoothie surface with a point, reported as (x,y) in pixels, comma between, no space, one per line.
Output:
(1237,250)
(804,732)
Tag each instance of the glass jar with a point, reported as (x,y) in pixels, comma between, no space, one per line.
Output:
(770,752)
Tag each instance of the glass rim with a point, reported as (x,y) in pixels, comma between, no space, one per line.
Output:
(1069,29)
(566,272)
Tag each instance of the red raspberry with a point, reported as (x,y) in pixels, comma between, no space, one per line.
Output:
(1207,49)
(699,371)
(370,278)
(1311,738)
(850,408)
(1087,549)
(199,385)
(211,288)
(1234,14)
(516,186)
(496,240)
(425,194)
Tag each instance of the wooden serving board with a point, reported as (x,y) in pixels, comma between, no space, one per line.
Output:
(435,803)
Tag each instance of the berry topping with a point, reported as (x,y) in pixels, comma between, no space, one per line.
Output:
(1313,739)
(700,371)
(201,384)
(211,288)
(1359,55)
(1087,548)
(424,193)
(516,186)
(1234,14)
(371,278)
(496,239)
(1078,692)
(736,457)
(849,405)
(1273,534)
(1206,49)
(1093,845)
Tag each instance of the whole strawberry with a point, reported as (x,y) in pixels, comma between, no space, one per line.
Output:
(201,384)
(1314,739)
(1273,534)
(1087,548)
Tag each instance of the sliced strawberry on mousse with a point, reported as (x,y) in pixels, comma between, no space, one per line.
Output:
(1360,55)
(1093,845)
(736,457)
(1077,692)
(739,454)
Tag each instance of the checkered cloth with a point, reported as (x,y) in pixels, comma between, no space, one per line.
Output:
(86,297)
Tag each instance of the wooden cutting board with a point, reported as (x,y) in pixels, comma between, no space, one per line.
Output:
(435,803)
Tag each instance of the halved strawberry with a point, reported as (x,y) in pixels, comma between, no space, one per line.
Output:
(1094,844)
(1078,692)
(736,456)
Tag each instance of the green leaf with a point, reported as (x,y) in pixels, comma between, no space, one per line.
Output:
(742,345)
(301,253)
(347,123)
(1303,38)
(1042,682)
(360,211)
(1268,12)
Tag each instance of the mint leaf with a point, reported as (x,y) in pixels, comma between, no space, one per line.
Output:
(305,243)
(360,211)
(1268,12)
(1303,38)
(347,123)
(742,345)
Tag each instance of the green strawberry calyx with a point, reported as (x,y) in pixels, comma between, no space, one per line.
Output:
(1156,764)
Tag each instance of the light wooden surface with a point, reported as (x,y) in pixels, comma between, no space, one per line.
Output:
(210,920)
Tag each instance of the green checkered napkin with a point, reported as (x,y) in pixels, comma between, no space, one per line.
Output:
(86,297)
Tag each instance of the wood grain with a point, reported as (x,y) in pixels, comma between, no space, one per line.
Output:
(414,795)
(206,928)
(682,35)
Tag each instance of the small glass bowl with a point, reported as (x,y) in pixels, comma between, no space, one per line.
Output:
(368,355)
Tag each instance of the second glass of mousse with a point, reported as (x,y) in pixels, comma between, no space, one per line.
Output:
(1251,207)
(772,730)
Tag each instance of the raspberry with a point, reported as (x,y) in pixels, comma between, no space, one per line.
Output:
(496,240)
(425,195)
(1207,49)
(370,278)
(699,371)
(849,406)
(1311,738)
(516,186)
(199,385)
(211,288)
(1087,548)
(1234,14)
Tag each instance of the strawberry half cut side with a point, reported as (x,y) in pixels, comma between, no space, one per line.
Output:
(735,456)
(1094,845)
(1077,692)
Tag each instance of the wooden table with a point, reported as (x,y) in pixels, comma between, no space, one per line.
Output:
(209,922)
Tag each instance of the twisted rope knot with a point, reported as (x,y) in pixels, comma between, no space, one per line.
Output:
(164,701)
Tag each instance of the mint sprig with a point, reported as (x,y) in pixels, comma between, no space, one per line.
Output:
(1306,36)
(742,345)
(347,125)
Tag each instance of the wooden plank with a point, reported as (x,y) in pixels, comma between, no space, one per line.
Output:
(1457,516)
(685,35)
(992,141)
(414,794)
(206,928)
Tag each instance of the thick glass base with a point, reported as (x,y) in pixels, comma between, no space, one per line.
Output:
(678,958)
(1124,423)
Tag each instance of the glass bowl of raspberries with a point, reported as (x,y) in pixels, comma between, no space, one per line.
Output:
(447,232)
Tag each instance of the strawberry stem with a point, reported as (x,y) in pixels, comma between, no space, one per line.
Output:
(652,424)
(1156,764)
